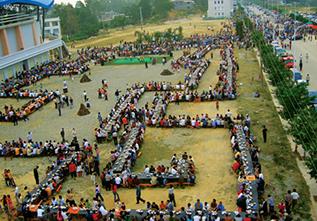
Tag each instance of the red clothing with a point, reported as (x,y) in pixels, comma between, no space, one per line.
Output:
(125,121)
(72,168)
(281,208)
(114,188)
(235,166)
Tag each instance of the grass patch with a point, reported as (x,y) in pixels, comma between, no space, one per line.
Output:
(278,161)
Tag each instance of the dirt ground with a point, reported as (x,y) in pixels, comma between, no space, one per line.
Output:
(210,147)
(190,26)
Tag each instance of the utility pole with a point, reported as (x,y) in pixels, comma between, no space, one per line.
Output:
(141,18)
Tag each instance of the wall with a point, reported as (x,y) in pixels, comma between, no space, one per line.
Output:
(11,70)
(12,40)
(27,35)
(219,8)
(1,49)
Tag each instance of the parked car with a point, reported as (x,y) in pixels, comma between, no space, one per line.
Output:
(297,75)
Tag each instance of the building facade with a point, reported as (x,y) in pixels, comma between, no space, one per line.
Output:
(220,8)
(22,45)
(53,28)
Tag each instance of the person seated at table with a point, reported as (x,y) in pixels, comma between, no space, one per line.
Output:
(162,206)
(70,198)
(43,194)
(236,166)
(173,171)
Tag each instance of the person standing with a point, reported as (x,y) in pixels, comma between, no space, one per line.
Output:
(59,108)
(74,133)
(29,136)
(106,94)
(295,197)
(171,196)
(71,102)
(307,79)
(85,96)
(97,192)
(146,64)
(117,94)
(271,203)
(36,175)
(288,201)
(99,118)
(138,195)
(63,135)
(170,207)
(65,87)
(217,105)
(264,133)
(115,193)
(301,65)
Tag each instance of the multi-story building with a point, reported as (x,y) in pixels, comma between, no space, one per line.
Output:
(220,8)
(53,27)
(23,43)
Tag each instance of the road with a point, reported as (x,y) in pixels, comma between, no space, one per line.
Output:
(310,65)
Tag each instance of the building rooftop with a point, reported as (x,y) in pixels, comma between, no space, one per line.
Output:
(41,3)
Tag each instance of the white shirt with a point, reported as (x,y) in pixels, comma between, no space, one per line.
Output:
(196,218)
(173,171)
(103,211)
(40,212)
(118,180)
(295,195)
(65,217)
(147,170)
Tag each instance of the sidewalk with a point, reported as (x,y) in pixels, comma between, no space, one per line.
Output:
(310,64)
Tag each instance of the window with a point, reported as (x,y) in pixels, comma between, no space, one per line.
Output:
(221,2)
(54,23)
(223,13)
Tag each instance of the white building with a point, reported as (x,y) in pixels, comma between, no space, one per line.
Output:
(220,8)
(53,27)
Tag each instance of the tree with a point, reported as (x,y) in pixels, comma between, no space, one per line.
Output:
(303,129)
(161,8)
(146,7)
(202,5)
(119,21)
(76,22)
(139,36)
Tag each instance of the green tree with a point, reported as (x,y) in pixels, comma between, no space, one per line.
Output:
(202,5)
(304,130)
(161,8)
(146,7)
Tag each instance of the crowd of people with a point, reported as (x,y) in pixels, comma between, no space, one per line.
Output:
(101,55)
(75,160)
(10,114)
(124,108)
(30,148)
(199,121)
(14,87)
